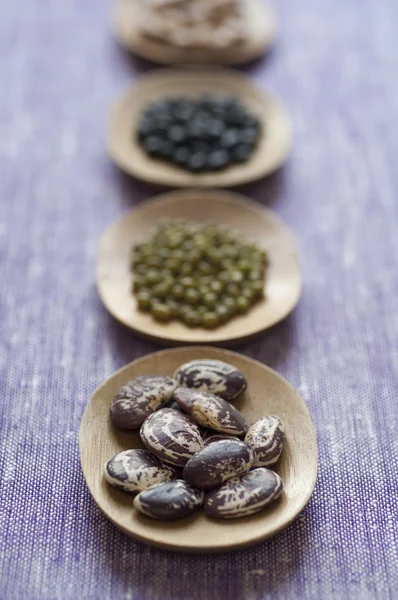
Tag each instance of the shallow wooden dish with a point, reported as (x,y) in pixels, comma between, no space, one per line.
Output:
(271,152)
(283,283)
(259,26)
(268,393)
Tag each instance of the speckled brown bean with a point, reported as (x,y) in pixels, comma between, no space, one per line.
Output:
(169,501)
(210,411)
(244,496)
(213,376)
(139,398)
(136,470)
(217,463)
(266,438)
(171,436)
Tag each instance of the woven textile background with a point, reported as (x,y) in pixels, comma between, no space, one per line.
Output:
(335,66)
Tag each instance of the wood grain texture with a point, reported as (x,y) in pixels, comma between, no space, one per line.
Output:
(125,150)
(259,30)
(283,279)
(268,393)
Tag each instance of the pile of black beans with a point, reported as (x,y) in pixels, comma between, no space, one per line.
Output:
(199,449)
(199,135)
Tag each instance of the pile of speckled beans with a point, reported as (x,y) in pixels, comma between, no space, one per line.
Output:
(199,448)
(192,23)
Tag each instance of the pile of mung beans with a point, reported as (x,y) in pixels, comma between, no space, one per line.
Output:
(202,274)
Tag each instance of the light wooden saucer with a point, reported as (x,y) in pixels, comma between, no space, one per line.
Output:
(256,224)
(125,150)
(268,393)
(258,23)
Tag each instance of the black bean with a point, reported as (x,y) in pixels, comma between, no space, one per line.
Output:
(248,135)
(181,155)
(184,111)
(196,162)
(200,146)
(230,138)
(218,111)
(242,152)
(177,134)
(196,129)
(216,127)
(145,128)
(153,145)
(167,149)
(217,159)
(163,122)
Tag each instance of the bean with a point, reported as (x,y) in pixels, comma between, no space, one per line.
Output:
(211,411)
(266,437)
(139,398)
(136,470)
(171,436)
(245,495)
(213,376)
(169,501)
(218,462)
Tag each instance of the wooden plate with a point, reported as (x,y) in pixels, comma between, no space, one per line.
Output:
(283,283)
(268,393)
(124,149)
(259,26)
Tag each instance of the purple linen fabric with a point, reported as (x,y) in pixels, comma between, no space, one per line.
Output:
(335,66)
